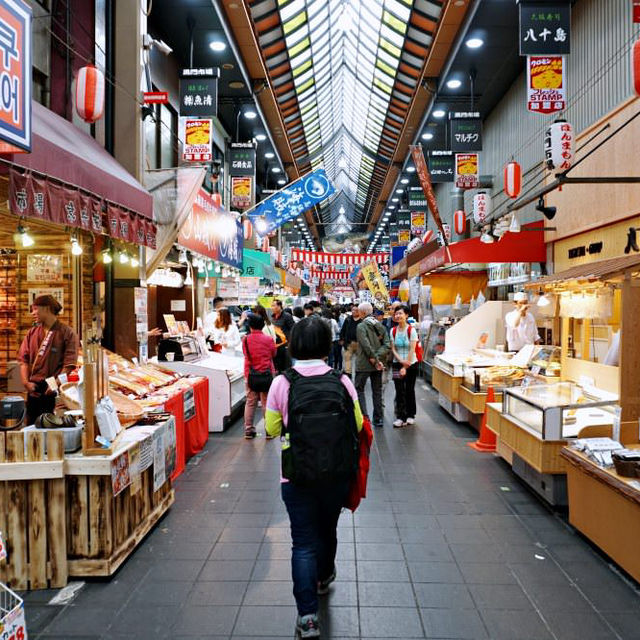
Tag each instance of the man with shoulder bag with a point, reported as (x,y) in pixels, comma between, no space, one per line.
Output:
(259,351)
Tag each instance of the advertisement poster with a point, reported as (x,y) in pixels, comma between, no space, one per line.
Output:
(159,462)
(196,135)
(546,84)
(227,288)
(146,454)
(248,290)
(467,170)
(418,223)
(13,625)
(170,446)
(44,268)
(120,477)
(374,281)
(241,188)
(140,301)
(134,469)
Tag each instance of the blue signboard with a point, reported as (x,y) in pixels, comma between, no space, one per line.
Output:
(293,200)
(397,253)
(230,250)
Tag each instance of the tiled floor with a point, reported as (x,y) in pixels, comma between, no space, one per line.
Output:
(447,545)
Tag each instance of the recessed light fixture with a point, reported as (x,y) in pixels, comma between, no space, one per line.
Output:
(236,84)
(268,155)
(405,180)
(217,45)
(474,43)
(439,113)
(395,199)
(410,169)
(427,136)
(282,181)
(227,66)
(399,190)
(276,170)
(392,206)
(261,137)
(454,83)
(250,114)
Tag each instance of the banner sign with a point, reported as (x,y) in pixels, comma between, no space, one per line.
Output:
(467,170)
(241,188)
(199,92)
(397,253)
(197,139)
(155,97)
(465,130)
(15,77)
(293,200)
(212,232)
(545,28)
(546,84)
(242,159)
(393,233)
(48,201)
(418,223)
(318,257)
(417,199)
(374,281)
(404,226)
(441,166)
(425,182)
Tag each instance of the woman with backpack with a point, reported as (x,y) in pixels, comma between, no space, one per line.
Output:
(259,350)
(404,339)
(315,410)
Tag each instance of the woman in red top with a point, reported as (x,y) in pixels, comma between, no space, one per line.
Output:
(258,350)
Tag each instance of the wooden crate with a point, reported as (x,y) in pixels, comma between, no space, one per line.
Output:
(445,383)
(32,510)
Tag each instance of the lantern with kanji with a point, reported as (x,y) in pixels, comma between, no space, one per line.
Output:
(635,67)
(247,229)
(459,222)
(559,143)
(217,200)
(512,179)
(90,93)
(481,207)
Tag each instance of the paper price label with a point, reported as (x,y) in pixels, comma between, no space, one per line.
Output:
(13,626)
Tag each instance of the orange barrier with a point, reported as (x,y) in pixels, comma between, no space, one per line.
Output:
(486,443)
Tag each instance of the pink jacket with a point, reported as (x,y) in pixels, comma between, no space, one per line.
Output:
(262,350)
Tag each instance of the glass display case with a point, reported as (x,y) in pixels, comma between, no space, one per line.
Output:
(546,361)
(559,411)
(500,376)
(434,345)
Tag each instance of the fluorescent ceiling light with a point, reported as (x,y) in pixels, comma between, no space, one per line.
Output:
(282,181)
(250,114)
(395,199)
(217,45)
(474,43)
(439,113)
(454,83)
(399,190)
(392,206)
(427,136)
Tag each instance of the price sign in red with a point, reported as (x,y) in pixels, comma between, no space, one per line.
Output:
(636,10)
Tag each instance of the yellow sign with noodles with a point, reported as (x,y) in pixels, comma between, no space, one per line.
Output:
(374,281)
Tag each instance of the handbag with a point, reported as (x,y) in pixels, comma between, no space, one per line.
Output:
(258,381)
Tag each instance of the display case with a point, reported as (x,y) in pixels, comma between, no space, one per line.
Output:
(184,348)
(501,376)
(546,361)
(559,411)
(434,346)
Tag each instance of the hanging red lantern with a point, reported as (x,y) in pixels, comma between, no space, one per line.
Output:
(459,222)
(427,237)
(217,200)
(90,93)
(512,179)
(635,67)
(247,229)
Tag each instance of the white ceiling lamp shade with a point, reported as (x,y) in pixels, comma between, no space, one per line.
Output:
(481,207)
(250,114)
(439,113)
(474,43)
(217,46)
(269,155)
(454,83)
(260,137)
(411,169)
(427,136)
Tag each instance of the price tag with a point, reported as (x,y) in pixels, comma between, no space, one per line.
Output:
(615,434)
(13,626)
(3,548)
(525,383)
(535,370)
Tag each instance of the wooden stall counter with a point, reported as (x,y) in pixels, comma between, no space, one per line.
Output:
(605,507)
(446,384)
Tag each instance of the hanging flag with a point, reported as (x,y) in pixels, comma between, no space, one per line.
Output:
(374,281)
(292,201)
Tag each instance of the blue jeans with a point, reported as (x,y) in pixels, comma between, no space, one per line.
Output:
(313,513)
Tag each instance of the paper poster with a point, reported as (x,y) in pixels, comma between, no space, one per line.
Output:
(146,454)
(546,84)
(178,305)
(196,134)
(56,292)
(140,301)
(13,625)
(241,189)
(134,469)
(189,404)
(418,223)
(120,477)
(172,325)
(159,462)
(44,268)
(467,172)
(170,446)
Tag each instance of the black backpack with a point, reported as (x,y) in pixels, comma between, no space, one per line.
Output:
(321,432)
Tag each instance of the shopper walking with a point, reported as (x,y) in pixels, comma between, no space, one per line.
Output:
(49,349)
(373,349)
(259,350)
(284,322)
(332,323)
(349,339)
(316,410)
(404,339)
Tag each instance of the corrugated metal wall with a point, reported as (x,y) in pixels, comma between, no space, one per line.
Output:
(599,79)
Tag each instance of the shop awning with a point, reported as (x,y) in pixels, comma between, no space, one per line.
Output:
(256,264)
(62,151)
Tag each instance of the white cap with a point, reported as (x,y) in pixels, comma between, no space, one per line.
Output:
(521,296)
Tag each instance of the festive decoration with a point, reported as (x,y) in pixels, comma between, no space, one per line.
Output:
(416,243)
(319,257)
(247,229)
(635,66)
(512,179)
(459,222)
(90,93)
(481,207)
(427,237)
(217,200)
(559,146)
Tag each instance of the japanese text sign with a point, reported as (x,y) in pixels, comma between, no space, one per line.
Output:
(404,226)
(15,76)
(196,135)
(199,92)
(546,84)
(545,28)
(465,132)
(13,625)
(242,159)
(241,191)
(374,281)
(467,172)
(295,199)
(441,166)
(417,199)
(418,223)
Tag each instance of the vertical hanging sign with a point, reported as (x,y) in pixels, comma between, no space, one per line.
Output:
(545,28)
(546,84)
(467,171)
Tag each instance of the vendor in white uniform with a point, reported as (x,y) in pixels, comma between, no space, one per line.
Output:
(520,324)
(212,316)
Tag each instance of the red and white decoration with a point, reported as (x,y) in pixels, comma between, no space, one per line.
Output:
(318,257)
(481,207)
(512,179)
(331,274)
(559,146)
(217,200)
(247,229)
(446,229)
(459,222)
(428,236)
(635,66)
(90,93)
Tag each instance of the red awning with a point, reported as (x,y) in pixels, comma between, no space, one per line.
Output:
(64,152)
(525,246)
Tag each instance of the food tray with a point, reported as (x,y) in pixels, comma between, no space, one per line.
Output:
(72,436)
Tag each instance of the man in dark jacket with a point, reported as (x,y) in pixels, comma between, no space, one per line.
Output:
(349,338)
(285,322)
(373,349)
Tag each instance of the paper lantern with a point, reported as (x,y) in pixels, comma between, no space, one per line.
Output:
(427,237)
(217,200)
(90,93)
(635,67)
(559,142)
(247,229)
(512,179)
(446,228)
(459,222)
(481,207)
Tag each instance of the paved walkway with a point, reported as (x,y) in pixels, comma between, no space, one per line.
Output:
(448,545)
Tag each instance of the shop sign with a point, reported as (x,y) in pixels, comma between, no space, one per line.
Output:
(404,226)
(241,190)
(155,97)
(242,159)
(592,249)
(432,261)
(441,166)
(374,281)
(397,253)
(199,92)
(465,131)
(417,199)
(15,76)
(545,28)
(467,171)
(293,200)
(197,137)
(418,223)
(559,146)
(636,11)
(546,84)
(393,233)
